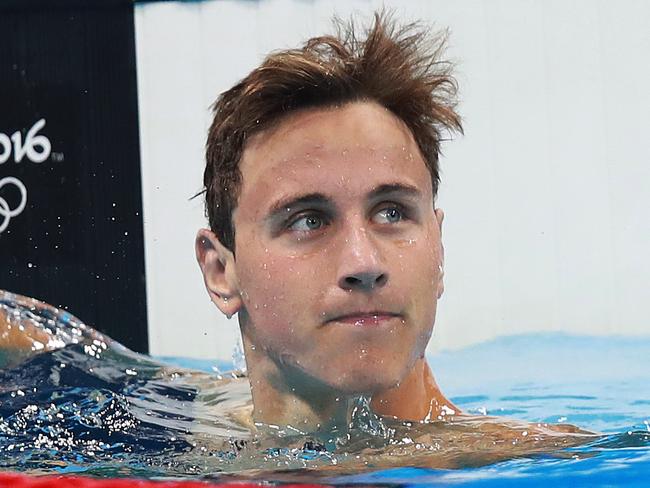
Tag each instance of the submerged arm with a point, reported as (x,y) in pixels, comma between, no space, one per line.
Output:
(29,326)
(19,340)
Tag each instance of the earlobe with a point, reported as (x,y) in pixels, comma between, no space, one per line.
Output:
(217,265)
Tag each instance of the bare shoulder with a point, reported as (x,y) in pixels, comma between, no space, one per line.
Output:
(465,440)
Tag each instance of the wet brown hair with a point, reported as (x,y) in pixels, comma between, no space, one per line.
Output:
(397,67)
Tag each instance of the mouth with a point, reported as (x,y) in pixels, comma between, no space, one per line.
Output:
(361,319)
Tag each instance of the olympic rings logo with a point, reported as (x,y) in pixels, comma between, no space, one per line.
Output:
(6,212)
(35,148)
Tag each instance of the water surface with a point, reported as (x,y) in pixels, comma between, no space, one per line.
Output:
(93,407)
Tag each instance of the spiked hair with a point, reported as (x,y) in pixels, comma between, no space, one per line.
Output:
(398,67)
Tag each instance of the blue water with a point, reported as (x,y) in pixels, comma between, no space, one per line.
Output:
(101,410)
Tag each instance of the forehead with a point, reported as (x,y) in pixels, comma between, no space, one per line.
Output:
(348,149)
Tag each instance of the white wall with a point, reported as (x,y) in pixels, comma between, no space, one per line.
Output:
(546,196)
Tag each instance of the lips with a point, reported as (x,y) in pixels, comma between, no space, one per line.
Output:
(361,319)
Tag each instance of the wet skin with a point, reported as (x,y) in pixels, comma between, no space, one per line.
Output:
(337,267)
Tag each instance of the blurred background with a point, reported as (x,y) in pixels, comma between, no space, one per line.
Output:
(546,195)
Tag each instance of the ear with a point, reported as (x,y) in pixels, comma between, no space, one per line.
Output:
(440,216)
(217,264)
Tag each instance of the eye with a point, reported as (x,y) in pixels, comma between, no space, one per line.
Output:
(307,223)
(389,215)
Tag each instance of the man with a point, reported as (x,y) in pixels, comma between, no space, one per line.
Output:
(321,178)
(320,186)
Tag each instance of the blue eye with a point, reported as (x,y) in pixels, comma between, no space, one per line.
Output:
(307,223)
(389,215)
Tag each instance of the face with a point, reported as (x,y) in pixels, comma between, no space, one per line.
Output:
(337,247)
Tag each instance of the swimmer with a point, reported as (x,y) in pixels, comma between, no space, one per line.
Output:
(321,177)
(320,188)
(325,238)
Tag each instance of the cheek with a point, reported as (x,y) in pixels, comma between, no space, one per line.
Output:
(418,273)
(419,262)
(278,290)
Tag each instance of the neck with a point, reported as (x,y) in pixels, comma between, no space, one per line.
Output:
(288,398)
(416,398)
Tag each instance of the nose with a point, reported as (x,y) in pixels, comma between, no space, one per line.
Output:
(361,267)
(363,281)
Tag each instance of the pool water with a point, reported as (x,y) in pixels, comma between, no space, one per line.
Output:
(92,407)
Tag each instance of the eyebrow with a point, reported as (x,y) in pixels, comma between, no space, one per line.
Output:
(319,200)
(281,206)
(394,188)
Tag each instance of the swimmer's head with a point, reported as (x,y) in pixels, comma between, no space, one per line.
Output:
(322,170)
(399,68)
